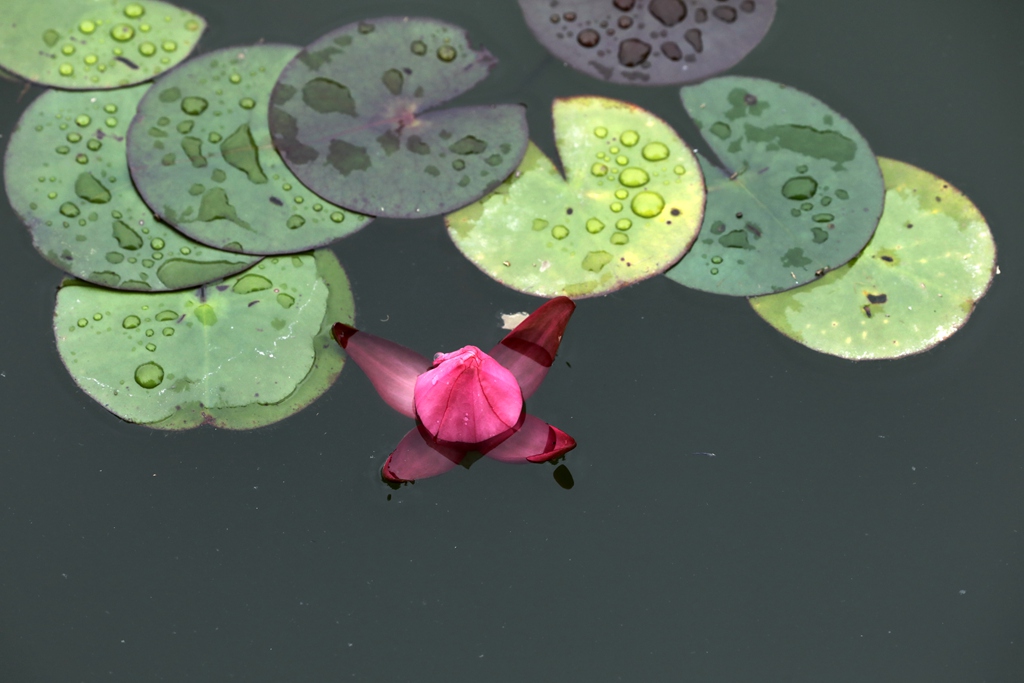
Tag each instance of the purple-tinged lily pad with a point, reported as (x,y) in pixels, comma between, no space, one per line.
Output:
(799,192)
(242,353)
(353,117)
(66,175)
(649,42)
(94,44)
(914,285)
(200,154)
(629,206)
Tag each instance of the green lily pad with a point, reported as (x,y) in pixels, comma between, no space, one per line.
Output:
(799,194)
(246,352)
(66,174)
(629,206)
(200,154)
(915,284)
(351,116)
(95,44)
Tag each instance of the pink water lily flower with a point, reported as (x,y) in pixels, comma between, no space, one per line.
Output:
(466,400)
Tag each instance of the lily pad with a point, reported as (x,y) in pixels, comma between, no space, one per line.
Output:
(200,153)
(629,206)
(799,192)
(95,44)
(66,174)
(649,42)
(246,352)
(915,284)
(351,116)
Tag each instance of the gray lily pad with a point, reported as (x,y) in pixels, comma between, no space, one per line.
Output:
(66,175)
(243,353)
(915,284)
(649,42)
(200,154)
(95,44)
(799,192)
(351,116)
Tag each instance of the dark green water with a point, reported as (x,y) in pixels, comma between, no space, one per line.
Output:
(857,522)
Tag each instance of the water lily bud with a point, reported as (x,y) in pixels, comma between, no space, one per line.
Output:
(467,397)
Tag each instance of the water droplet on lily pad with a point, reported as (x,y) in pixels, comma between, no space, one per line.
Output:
(647,204)
(655,151)
(194,106)
(149,375)
(800,187)
(122,33)
(634,177)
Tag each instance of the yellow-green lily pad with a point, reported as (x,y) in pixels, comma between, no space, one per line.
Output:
(629,206)
(95,44)
(66,175)
(915,284)
(242,353)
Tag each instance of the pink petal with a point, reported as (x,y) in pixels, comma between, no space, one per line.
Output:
(536,441)
(467,398)
(529,350)
(391,367)
(418,458)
